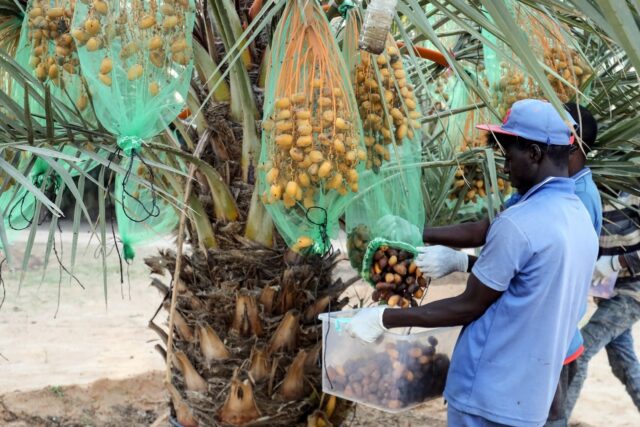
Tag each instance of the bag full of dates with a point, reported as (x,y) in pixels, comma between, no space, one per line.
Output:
(402,369)
(390,267)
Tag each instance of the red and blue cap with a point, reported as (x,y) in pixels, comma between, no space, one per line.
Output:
(535,120)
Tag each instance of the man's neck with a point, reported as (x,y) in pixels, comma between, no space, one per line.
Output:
(546,172)
(552,170)
(577,162)
(574,169)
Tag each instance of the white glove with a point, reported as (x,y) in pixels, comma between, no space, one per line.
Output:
(367,324)
(605,267)
(438,261)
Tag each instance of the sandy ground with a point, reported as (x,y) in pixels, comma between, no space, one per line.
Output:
(135,401)
(88,339)
(94,365)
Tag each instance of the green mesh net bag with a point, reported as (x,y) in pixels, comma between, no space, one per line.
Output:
(551,44)
(17,203)
(137,59)
(312,155)
(48,50)
(143,216)
(390,202)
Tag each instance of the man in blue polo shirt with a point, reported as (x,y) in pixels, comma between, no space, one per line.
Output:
(437,261)
(523,297)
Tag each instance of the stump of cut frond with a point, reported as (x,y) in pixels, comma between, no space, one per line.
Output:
(247,341)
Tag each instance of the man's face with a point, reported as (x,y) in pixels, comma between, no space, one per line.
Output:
(519,165)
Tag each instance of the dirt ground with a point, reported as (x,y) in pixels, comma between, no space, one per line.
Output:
(94,365)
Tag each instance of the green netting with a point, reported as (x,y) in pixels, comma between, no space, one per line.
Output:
(312,155)
(390,205)
(390,202)
(375,244)
(462,133)
(17,204)
(137,59)
(142,215)
(552,44)
(448,30)
(470,183)
(456,97)
(18,208)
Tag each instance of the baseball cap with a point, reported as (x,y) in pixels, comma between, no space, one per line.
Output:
(535,120)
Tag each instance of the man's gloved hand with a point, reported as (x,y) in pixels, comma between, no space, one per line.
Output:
(438,261)
(605,267)
(367,324)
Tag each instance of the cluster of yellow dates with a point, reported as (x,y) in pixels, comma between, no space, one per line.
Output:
(53,51)
(152,36)
(315,146)
(387,104)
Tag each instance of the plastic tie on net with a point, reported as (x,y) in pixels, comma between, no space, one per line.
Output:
(130,144)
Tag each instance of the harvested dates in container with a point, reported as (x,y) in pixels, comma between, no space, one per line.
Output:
(396,277)
(395,373)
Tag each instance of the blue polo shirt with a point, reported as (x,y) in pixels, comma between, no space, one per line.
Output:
(540,253)
(588,193)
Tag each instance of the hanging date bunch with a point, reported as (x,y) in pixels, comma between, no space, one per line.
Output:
(439,93)
(470,180)
(48,49)
(390,192)
(136,46)
(53,49)
(312,155)
(388,106)
(552,46)
(136,57)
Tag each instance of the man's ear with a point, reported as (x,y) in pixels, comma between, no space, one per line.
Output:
(535,153)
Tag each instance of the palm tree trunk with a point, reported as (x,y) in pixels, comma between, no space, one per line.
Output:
(246,308)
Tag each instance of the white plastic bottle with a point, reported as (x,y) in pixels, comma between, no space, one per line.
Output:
(377,23)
